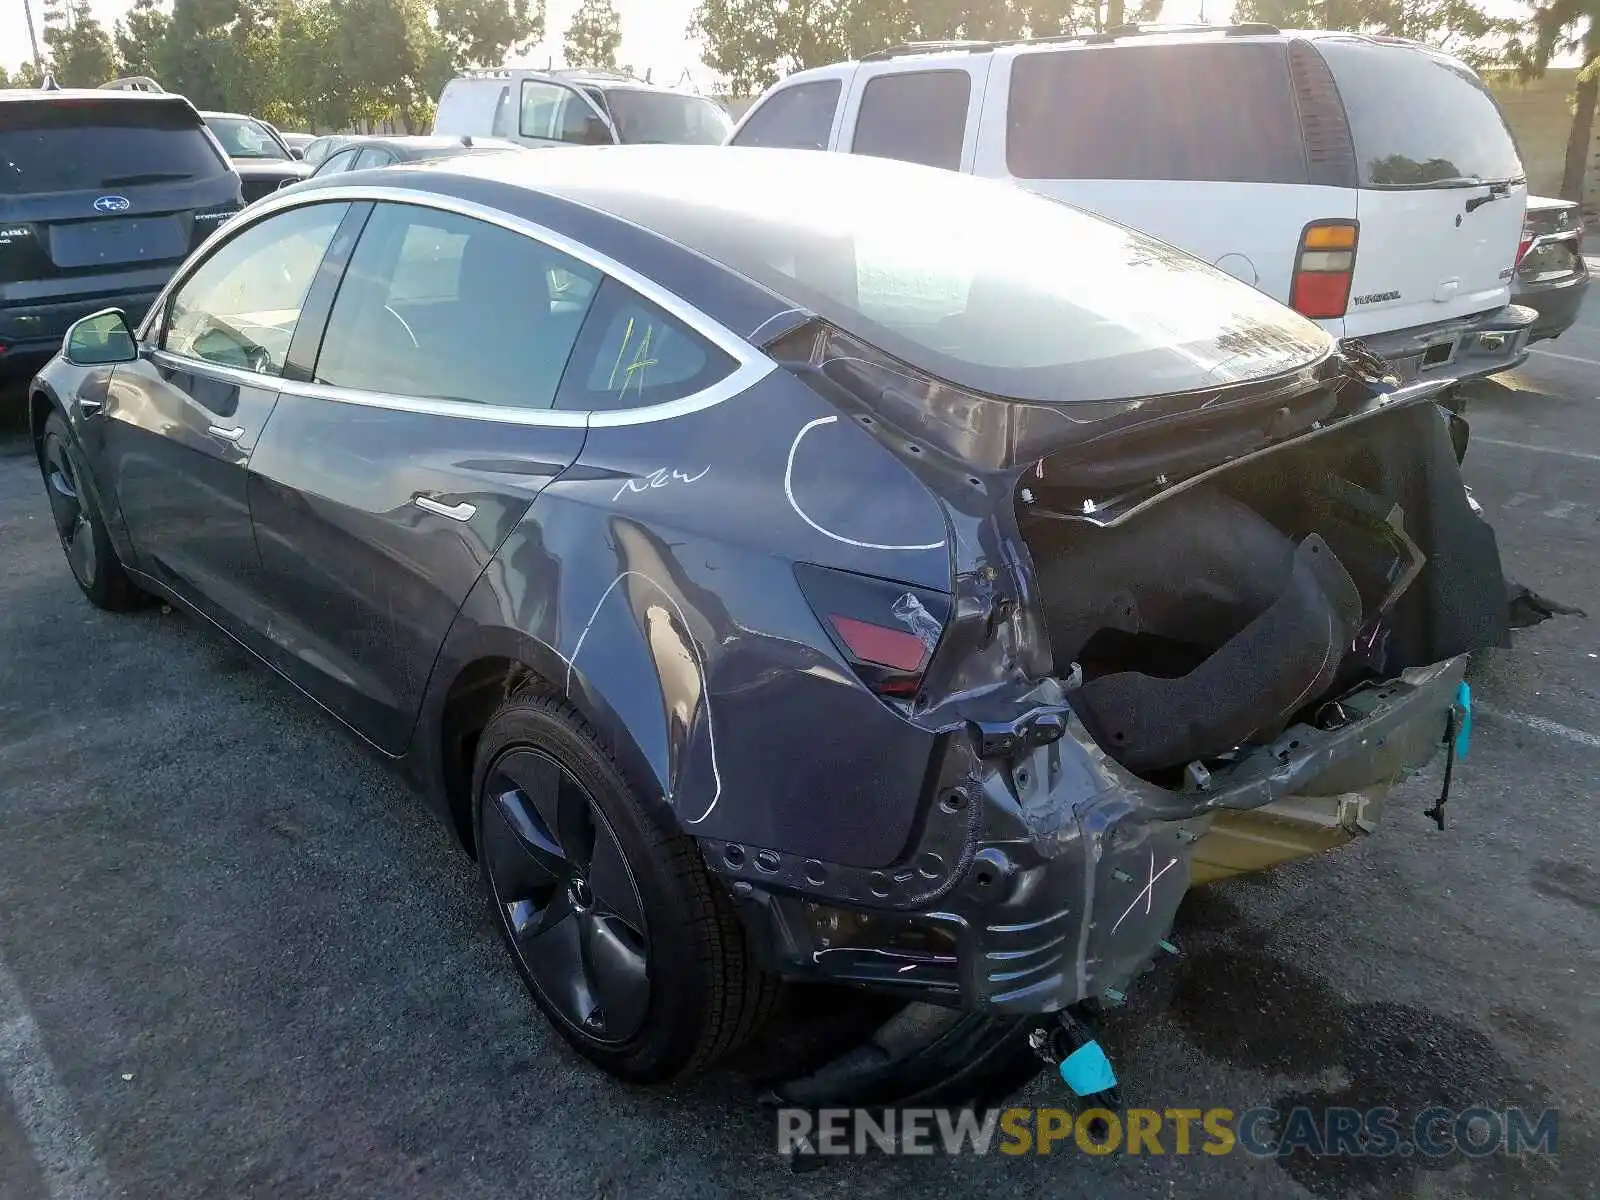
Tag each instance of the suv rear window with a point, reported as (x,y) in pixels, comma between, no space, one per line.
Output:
(1190,111)
(67,145)
(1419,119)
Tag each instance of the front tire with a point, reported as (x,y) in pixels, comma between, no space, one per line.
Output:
(81,526)
(623,939)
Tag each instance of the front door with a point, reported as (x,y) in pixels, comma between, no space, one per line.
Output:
(181,423)
(386,483)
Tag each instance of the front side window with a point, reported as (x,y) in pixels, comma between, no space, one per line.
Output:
(501,125)
(1419,119)
(1222,112)
(339,162)
(240,306)
(797,117)
(555,113)
(632,353)
(915,116)
(446,307)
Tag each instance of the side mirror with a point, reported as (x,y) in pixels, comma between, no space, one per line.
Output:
(99,339)
(296,153)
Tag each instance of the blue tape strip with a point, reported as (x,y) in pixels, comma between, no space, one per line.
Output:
(1087,1070)
(1464,730)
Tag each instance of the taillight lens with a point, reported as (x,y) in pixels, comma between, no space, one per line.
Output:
(1525,243)
(886,630)
(1323,268)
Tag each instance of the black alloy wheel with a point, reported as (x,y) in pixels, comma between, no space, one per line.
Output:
(569,903)
(74,521)
(80,526)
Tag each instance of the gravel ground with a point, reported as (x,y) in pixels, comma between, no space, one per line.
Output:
(238,958)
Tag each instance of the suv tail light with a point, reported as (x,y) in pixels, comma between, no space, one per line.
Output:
(1323,268)
(886,630)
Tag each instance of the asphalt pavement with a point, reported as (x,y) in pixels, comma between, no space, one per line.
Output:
(238,958)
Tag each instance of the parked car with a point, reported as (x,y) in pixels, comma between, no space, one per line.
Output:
(262,158)
(319,148)
(1282,158)
(297,142)
(767,583)
(1552,274)
(589,108)
(360,153)
(102,194)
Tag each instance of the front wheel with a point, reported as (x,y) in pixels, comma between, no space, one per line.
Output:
(81,526)
(625,942)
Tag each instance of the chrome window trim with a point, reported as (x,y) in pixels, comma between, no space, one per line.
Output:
(753,366)
(204,366)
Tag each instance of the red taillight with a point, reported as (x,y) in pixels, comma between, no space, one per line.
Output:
(1524,245)
(892,648)
(1323,268)
(885,629)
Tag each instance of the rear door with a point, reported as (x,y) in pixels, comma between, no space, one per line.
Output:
(1442,187)
(398,463)
(100,198)
(1196,141)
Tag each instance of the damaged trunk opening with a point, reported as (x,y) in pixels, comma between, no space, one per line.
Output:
(1204,626)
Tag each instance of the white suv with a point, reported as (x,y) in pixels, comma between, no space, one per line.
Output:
(1371,184)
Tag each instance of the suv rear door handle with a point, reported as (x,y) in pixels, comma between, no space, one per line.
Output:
(456,512)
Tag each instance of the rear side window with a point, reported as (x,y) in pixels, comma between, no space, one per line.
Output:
(372,157)
(798,117)
(82,145)
(1223,113)
(1419,119)
(437,305)
(632,353)
(918,116)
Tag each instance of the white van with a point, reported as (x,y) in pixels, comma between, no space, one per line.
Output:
(1371,184)
(585,108)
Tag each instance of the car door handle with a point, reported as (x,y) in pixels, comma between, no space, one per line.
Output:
(225,432)
(456,512)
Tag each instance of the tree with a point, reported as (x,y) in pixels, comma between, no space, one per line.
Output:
(755,42)
(1458,27)
(484,32)
(594,35)
(81,53)
(138,37)
(1562,27)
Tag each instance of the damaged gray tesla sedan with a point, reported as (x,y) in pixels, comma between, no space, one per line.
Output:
(786,566)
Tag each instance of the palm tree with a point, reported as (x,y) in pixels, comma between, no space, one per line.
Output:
(1562,27)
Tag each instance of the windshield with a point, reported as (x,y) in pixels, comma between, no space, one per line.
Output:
(58,147)
(1419,119)
(243,138)
(980,283)
(643,117)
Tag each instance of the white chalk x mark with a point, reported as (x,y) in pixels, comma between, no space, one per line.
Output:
(1147,893)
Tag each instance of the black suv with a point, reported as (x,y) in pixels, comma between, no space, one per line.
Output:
(102,195)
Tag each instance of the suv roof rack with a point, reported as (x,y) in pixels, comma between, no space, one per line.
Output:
(903,49)
(133,83)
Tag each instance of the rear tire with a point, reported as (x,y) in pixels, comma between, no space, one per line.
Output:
(552,814)
(81,526)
